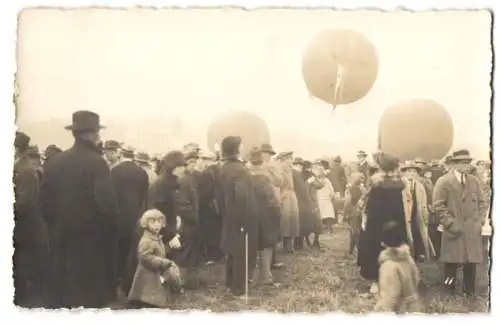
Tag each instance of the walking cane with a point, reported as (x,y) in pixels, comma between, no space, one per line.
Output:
(246,266)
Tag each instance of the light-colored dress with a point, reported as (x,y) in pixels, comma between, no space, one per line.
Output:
(290,223)
(325,197)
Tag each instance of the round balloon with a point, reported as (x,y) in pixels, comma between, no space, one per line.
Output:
(416,129)
(251,128)
(340,66)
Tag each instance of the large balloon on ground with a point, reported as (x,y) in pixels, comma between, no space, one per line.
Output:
(340,66)
(251,128)
(416,129)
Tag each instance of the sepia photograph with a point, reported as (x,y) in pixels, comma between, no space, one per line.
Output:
(267,160)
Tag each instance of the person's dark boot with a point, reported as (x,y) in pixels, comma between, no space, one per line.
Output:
(298,243)
(449,285)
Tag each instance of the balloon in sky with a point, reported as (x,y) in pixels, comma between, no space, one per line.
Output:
(417,128)
(340,66)
(251,128)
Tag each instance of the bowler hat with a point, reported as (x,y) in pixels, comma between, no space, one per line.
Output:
(84,120)
(298,161)
(128,152)
(267,148)
(22,140)
(111,145)
(461,156)
(142,157)
(337,159)
(307,164)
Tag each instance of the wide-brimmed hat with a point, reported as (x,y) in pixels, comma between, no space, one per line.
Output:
(410,165)
(284,155)
(142,157)
(420,161)
(267,148)
(22,141)
(460,156)
(128,152)
(307,164)
(111,145)
(362,153)
(84,120)
(191,155)
(298,161)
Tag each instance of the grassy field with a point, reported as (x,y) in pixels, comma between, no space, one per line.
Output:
(324,282)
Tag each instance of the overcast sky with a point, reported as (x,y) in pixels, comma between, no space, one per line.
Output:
(167,64)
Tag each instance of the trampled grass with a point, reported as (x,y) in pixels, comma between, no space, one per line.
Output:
(323,282)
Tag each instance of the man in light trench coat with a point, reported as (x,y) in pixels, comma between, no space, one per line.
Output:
(461,209)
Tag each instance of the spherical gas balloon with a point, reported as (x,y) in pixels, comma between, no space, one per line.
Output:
(251,128)
(340,66)
(416,128)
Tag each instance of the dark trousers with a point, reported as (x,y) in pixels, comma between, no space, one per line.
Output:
(235,271)
(124,245)
(450,277)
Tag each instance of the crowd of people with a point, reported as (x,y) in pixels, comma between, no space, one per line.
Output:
(100,219)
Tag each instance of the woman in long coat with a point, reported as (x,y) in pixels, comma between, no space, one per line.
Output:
(304,203)
(416,214)
(384,203)
(289,204)
(313,225)
(162,195)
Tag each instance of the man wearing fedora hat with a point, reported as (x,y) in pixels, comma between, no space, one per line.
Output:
(276,175)
(269,215)
(78,203)
(461,208)
(131,185)
(31,245)
(143,160)
(211,200)
(111,149)
(363,167)
(240,217)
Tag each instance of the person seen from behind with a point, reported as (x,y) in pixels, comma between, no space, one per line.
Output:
(399,275)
